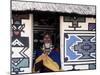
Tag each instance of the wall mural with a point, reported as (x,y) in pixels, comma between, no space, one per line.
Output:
(80,47)
(20,45)
(75,20)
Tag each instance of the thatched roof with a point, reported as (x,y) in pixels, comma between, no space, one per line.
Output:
(53,7)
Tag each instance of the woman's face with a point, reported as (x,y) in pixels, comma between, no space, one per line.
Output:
(47,41)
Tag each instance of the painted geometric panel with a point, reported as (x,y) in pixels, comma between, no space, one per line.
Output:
(80,49)
(75,20)
(21,51)
(19,46)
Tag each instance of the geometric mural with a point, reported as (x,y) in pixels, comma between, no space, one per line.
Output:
(79,47)
(19,45)
(86,47)
(75,20)
(79,43)
(80,50)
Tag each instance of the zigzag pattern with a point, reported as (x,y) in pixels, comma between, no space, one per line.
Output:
(22,52)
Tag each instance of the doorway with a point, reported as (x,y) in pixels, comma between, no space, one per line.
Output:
(45,22)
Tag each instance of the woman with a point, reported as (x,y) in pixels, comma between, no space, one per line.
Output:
(47,58)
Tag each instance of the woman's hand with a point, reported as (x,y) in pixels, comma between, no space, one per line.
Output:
(45,56)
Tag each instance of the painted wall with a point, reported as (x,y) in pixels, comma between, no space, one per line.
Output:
(77,44)
(22,47)
(84,25)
